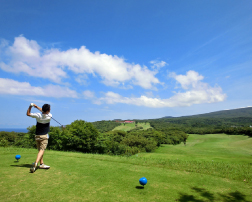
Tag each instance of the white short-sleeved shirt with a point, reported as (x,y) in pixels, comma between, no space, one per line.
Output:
(41,118)
(43,123)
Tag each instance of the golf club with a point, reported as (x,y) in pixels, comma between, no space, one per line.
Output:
(58,122)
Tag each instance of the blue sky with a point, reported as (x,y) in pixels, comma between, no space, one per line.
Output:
(105,60)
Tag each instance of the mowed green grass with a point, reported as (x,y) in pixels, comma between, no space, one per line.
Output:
(92,177)
(130,126)
(212,147)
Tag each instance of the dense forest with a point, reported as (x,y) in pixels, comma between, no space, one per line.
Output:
(194,125)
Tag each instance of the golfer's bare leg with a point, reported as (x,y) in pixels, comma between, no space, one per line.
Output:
(40,156)
(41,160)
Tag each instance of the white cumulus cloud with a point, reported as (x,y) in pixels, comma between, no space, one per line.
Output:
(196,92)
(191,79)
(12,87)
(28,57)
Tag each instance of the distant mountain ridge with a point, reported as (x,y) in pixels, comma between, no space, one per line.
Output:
(232,113)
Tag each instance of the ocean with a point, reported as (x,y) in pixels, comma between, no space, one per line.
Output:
(18,130)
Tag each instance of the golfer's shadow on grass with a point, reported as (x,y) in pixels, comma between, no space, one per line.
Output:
(22,165)
(139,187)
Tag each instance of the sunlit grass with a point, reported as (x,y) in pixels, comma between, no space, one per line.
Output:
(174,173)
(214,147)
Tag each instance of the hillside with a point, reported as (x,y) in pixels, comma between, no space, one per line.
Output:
(214,122)
(232,113)
(236,121)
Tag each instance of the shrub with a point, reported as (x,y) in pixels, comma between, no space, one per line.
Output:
(143,144)
(4,142)
(15,139)
(82,136)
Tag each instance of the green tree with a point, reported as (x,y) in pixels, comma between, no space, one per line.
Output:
(82,136)
(55,141)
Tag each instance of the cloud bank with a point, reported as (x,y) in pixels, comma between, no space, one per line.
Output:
(196,92)
(12,87)
(28,57)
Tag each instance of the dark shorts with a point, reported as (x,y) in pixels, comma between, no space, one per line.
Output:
(41,141)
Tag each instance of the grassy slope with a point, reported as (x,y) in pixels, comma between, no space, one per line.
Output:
(87,177)
(130,126)
(214,147)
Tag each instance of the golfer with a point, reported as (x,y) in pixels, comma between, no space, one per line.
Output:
(42,129)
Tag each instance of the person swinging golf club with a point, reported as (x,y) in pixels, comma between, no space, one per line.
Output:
(42,129)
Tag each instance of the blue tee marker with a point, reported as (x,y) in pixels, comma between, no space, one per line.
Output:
(17,157)
(143,181)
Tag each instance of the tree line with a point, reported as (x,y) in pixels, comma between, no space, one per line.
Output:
(232,126)
(83,136)
(98,137)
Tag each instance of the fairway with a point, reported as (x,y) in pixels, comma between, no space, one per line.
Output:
(213,147)
(130,126)
(209,168)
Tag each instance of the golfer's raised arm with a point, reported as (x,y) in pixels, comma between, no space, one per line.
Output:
(28,113)
(40,109)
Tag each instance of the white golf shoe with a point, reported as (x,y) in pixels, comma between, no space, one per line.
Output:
(43,166)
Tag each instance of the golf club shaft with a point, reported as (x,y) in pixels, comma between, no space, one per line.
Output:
(57,121)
